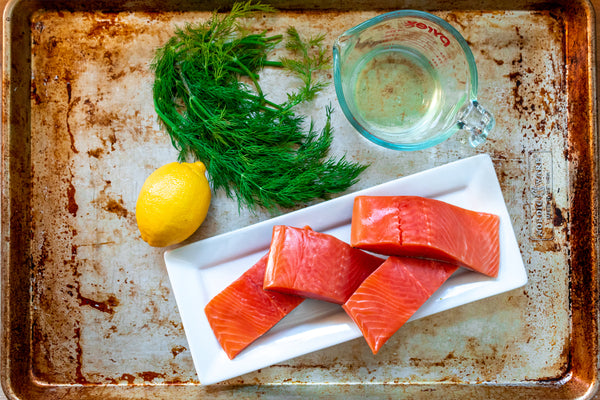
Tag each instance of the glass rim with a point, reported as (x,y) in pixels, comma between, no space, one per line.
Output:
(436,20)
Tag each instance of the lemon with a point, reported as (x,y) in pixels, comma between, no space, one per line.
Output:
(172,203)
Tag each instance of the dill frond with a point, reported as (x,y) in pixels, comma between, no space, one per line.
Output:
(257,151)
(312,57)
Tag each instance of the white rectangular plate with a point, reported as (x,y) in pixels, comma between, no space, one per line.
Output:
(202,269)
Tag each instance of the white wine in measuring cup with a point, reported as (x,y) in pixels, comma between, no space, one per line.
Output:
(396,92)
(407,80)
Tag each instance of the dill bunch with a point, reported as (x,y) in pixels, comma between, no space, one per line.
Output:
(257,151)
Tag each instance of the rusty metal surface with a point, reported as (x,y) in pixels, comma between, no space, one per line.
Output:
(87,308)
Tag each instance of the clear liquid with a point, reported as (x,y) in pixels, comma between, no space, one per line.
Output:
(397,94)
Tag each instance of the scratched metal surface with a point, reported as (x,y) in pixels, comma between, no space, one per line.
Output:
(100,313)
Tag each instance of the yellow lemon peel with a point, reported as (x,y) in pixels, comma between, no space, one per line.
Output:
(172,204)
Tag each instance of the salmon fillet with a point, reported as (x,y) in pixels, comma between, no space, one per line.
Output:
(315,265)
(392,294)
(243,311)
(422,227)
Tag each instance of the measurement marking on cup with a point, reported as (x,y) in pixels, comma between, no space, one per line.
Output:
(540,195)
(414,24)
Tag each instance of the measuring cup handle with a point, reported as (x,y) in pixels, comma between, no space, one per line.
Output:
(476,120)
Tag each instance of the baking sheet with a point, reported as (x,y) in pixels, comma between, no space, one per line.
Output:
(87,308)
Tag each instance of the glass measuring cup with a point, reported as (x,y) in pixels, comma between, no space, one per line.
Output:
(407,80)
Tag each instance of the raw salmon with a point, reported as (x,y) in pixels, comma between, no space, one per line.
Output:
(316,265)
(243,311)
(422,227)
(391,295)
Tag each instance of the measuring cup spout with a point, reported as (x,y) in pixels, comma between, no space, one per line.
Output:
(342,42)
(477,121)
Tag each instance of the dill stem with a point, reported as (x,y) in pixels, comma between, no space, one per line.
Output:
(184,80)
(199,108)
(276,64)
(264,101)
(252,77)
(274,38)
(193,101)
(172,126)
(233,69)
